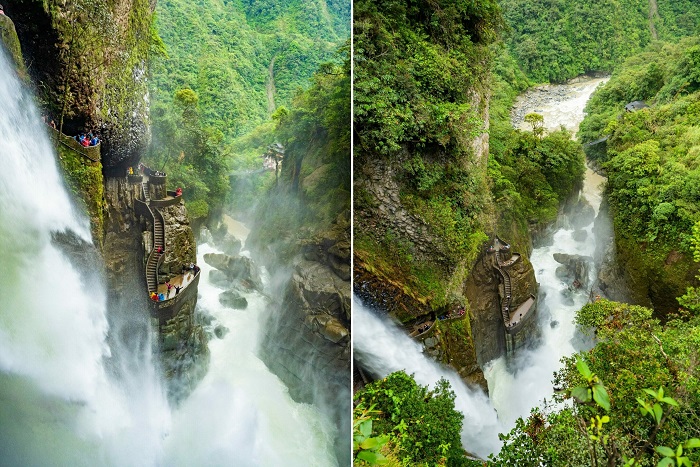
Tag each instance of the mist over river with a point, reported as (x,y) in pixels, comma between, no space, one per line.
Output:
(72,396)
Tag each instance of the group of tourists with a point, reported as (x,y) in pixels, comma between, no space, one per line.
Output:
(170,287)
(158,297)
(191,268)
(424,328)
(87,140)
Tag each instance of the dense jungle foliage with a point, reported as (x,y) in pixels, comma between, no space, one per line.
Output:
(420,425)
(225,75)
(634,357)
(419,71)
(531,173)
(223,51)
(647,363)
(313,191)
(554,40)
(651,156)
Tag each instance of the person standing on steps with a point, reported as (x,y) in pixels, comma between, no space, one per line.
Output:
(2,12)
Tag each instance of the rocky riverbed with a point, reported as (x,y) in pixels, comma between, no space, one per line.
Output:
(559,104)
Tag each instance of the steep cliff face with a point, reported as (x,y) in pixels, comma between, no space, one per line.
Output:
(184,353)
(482,290)
(181,342)
(405,266)
(88,62)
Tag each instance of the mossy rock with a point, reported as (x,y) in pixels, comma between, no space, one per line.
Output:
(9,38)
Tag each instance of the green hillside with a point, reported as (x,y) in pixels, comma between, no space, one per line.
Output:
(223,50)
(554,40)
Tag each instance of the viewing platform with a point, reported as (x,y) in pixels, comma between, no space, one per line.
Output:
(422,330)
(90,152)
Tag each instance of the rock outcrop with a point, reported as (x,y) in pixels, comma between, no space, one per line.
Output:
(307,343)
(180,246)
(8,38)
(181,343)
(574,269)
(238,269)
(482,290)
(99,51)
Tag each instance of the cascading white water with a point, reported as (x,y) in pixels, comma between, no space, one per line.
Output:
(383,348)
(59,404)
(62,402)
(251,420)
(515,393)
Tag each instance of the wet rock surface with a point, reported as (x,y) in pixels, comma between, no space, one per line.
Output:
(232,299)
(574,269)
(484,293)
(181,343)
(236,268)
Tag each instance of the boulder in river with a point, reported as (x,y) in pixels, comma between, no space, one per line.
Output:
(220,331)
(574,268)
(232,299)
(236,267)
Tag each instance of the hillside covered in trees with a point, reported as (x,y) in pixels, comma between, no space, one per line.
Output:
(225,73)
(559,40)
(633,399)
(651,159)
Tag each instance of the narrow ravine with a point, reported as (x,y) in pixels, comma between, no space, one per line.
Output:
(524,381)
(241,413)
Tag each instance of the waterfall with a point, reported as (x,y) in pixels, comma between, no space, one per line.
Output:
(251,419)
(525,381)
(71,394)
(383,348)
(59,402)
(515,392)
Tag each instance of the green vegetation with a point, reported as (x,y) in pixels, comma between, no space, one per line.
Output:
(635,352)
(84,178)
(243,62)
(651,159)
(223,51)
(419,80)
(8,38)
(531,173)
(420,423)
(191,153)
(314,185)
(558,40)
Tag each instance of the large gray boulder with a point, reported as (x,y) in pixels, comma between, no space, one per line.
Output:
(574,268)
(232,299)
(236,268)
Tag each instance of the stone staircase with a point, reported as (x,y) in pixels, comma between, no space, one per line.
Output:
(158,241)
(146,191)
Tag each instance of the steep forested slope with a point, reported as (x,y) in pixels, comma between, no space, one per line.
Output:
(557,40)
(224,51)
(229,66)
(652,162)
(420,97)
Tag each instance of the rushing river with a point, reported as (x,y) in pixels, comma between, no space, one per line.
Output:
(61,401)
(522,383)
